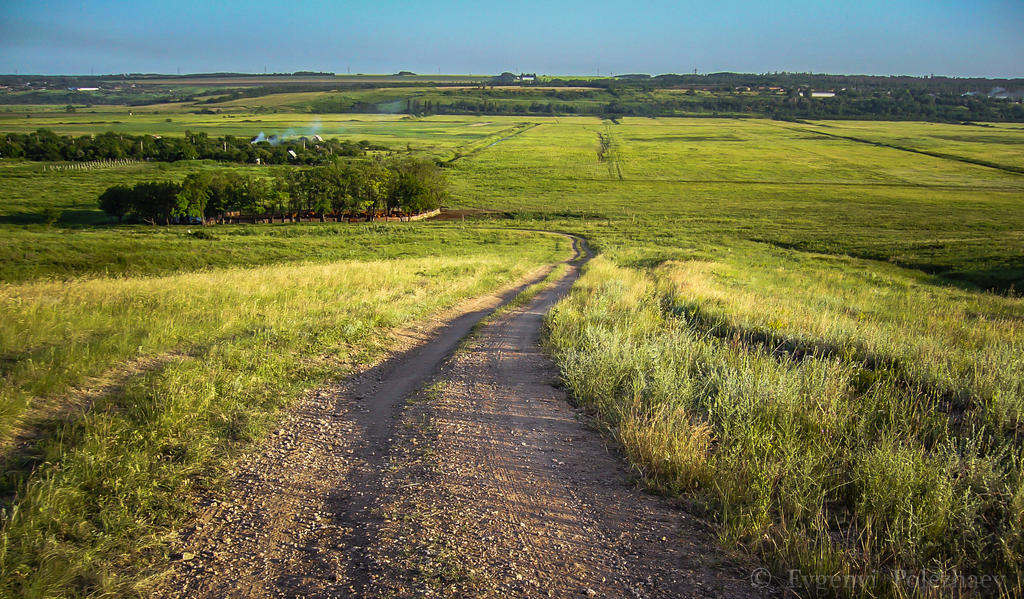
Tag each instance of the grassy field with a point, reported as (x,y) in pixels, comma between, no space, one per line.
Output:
(846,422)
(667,189)
(130,393)
(433,136)
(996,143)
(816,341)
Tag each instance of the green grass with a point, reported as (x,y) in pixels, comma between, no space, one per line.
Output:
(137,392)
(815,340)
(30,187)
(437,135)
(58,332)
(83,242)
(789,330)
(692,186)
(141,251)
(995,143)
(835,418)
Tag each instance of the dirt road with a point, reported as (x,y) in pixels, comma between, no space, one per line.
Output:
(439,475)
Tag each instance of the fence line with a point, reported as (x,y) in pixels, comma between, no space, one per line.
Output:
(89,165)
(255,219)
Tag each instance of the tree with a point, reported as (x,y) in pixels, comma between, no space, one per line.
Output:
(416,186)
(222,197)
(156,201)
(256,194)
(194,194)
(371,183)
(406,185)
(277,197)
(117,201)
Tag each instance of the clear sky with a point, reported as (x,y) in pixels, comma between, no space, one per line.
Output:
(567,37)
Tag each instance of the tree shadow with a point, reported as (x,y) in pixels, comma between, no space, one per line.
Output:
(1005,280)
(69,218)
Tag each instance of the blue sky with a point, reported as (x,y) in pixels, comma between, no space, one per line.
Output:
(944,37)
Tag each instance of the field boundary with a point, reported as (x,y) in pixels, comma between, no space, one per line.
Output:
(975,161)
(481,145)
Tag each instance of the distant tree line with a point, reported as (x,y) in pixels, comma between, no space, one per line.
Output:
(725,82)
(353,189)
(777,95)
(796,103)
(901,105)
(45,145)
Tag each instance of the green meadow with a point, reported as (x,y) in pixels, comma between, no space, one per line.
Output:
(995,143)
(814,341)
(667,188)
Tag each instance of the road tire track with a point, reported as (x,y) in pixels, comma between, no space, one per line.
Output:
(482,484)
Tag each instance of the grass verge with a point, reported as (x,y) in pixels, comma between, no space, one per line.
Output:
(828,428)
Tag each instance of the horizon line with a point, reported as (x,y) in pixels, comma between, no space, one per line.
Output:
(327,74)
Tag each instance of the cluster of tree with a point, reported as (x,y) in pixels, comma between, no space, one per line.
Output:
(46,145)
(528,93)
(365,188)
(514,108)
(900,106)
(337,104)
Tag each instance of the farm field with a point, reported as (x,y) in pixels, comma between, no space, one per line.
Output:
(842,420)
(748,357)
(816,342)
(451,99)
(435,135)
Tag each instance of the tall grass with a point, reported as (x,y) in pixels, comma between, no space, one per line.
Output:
(88,504)
(964,348)
(861,455)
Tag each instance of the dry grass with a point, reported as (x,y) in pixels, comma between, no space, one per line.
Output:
(841,419)
(90,500)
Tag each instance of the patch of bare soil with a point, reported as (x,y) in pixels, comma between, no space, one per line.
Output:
(461,214)
(484,483)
